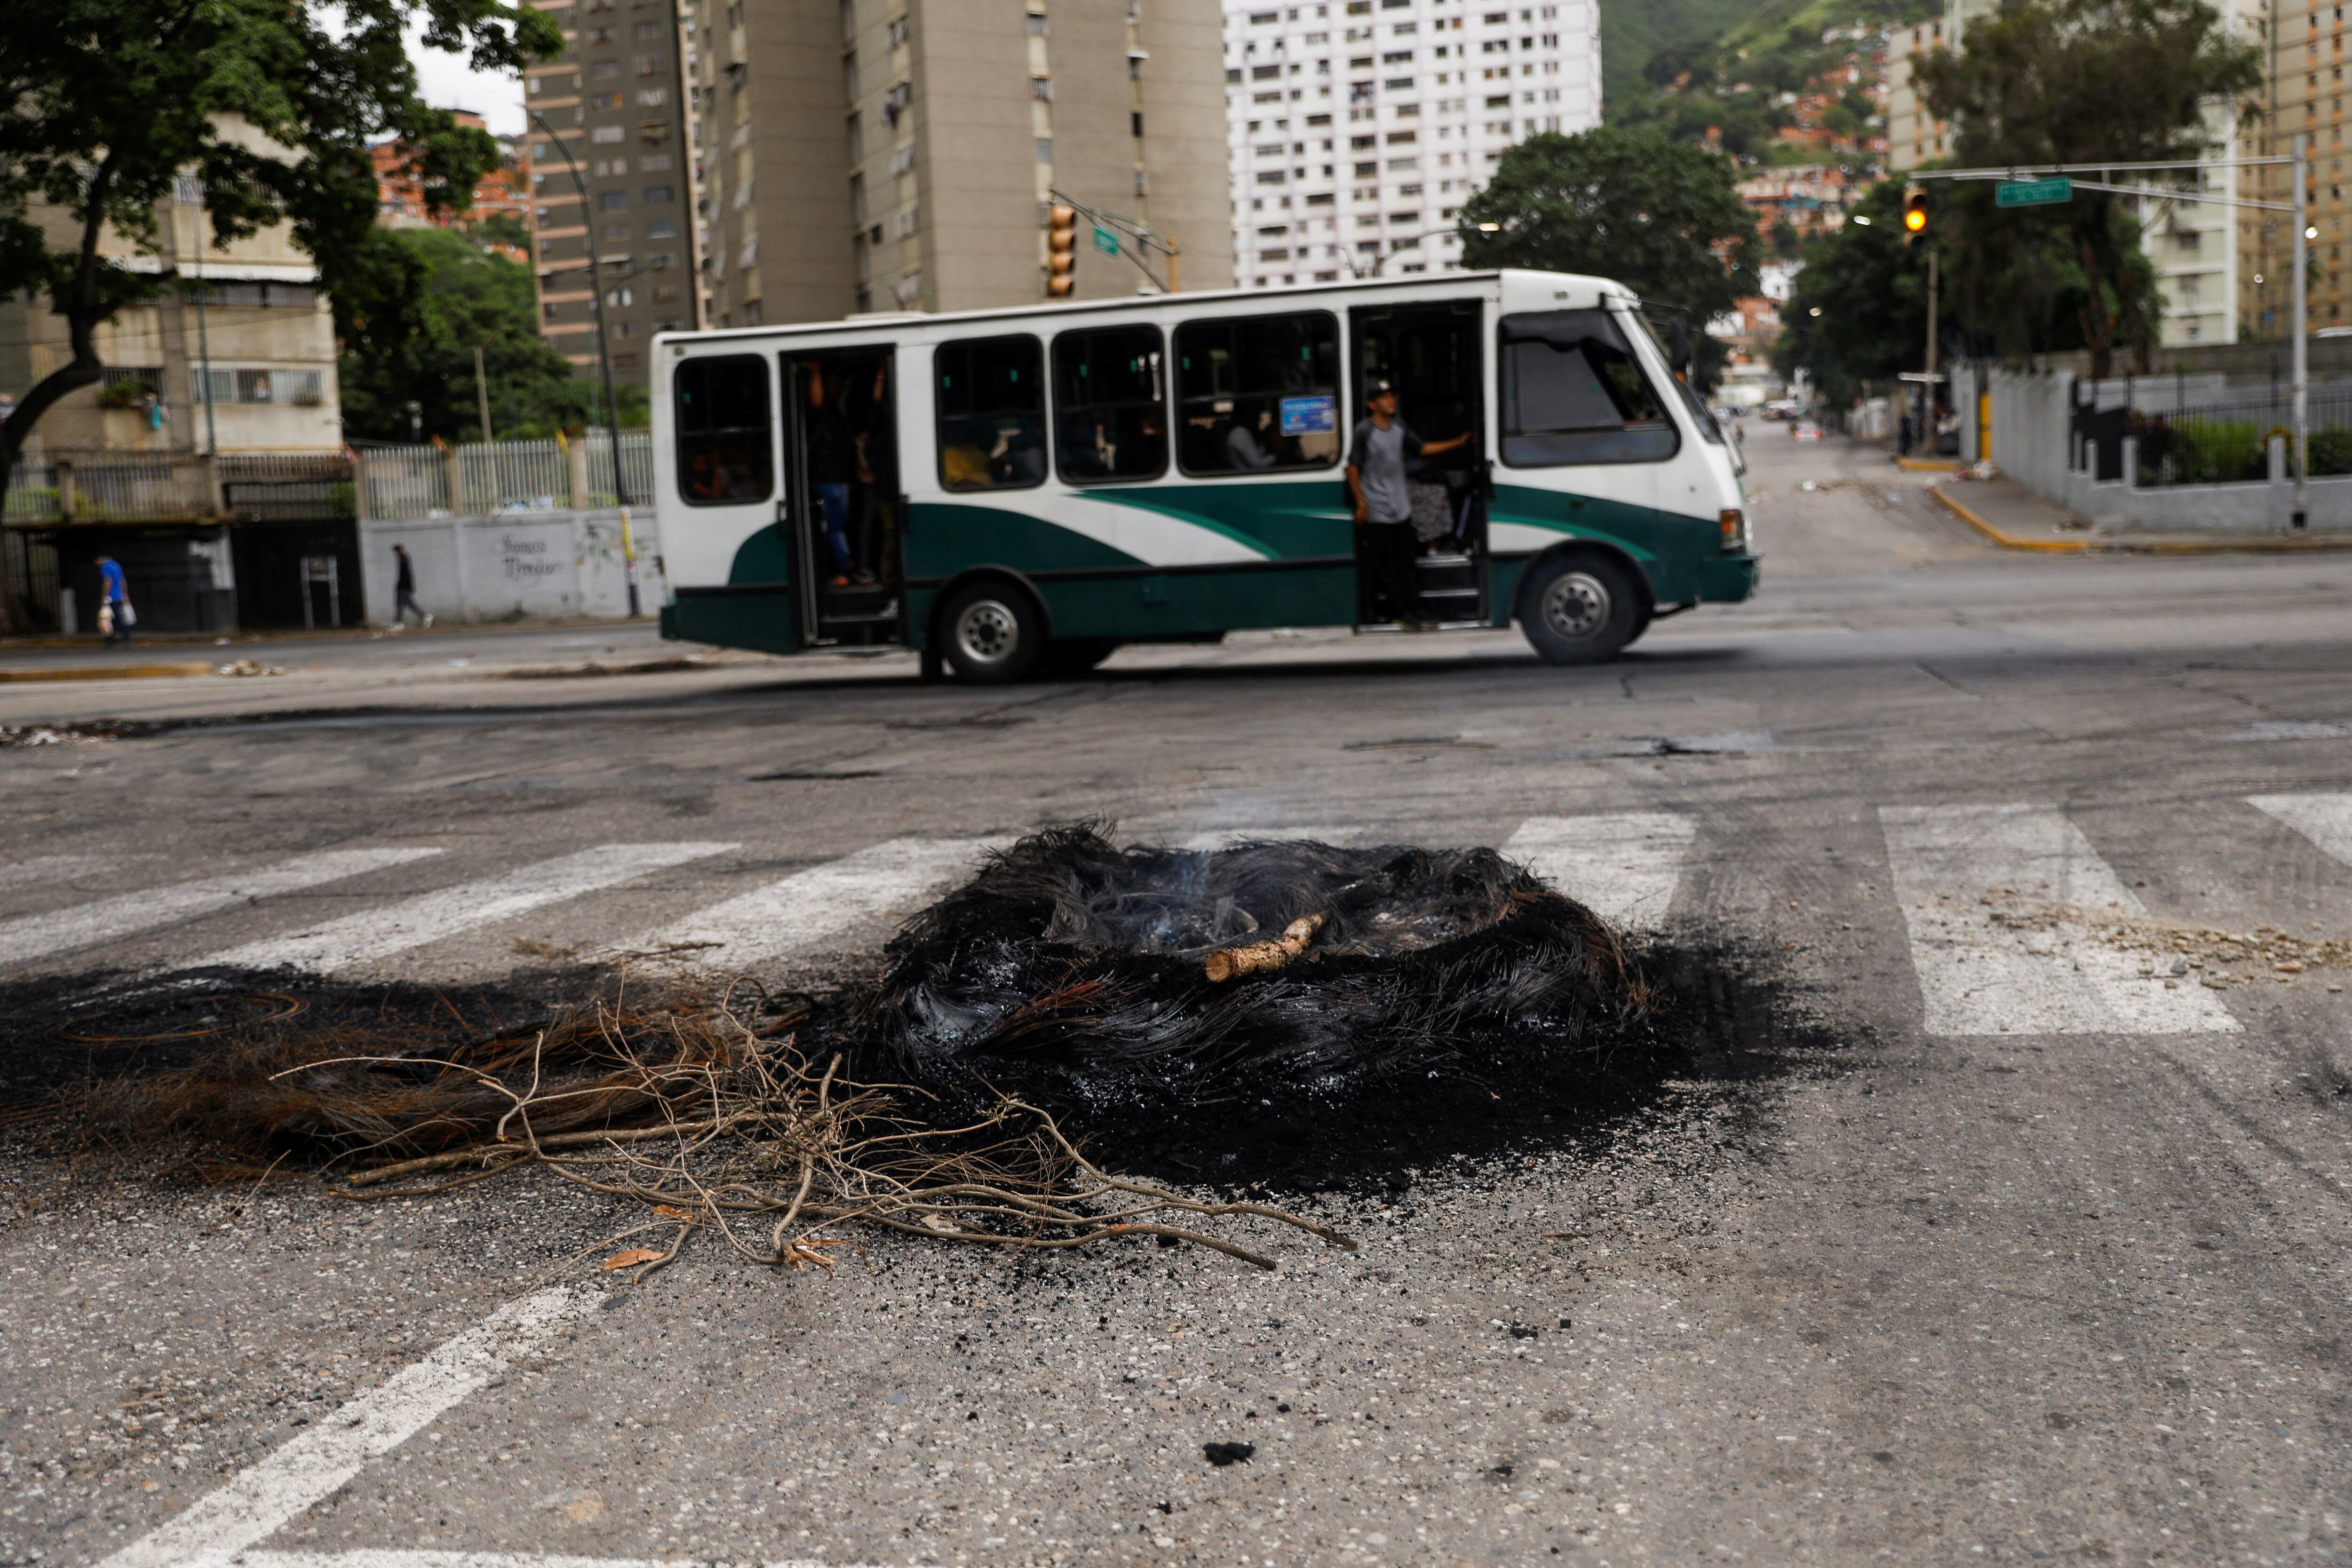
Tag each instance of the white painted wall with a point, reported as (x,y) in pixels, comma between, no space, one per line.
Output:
(540,566)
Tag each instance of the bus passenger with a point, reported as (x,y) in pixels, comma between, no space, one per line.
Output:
(1383,505)
(833,462)
(1245,447)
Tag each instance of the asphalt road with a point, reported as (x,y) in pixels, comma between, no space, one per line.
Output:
(2035,1250)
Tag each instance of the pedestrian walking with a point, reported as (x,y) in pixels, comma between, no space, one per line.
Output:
(115,616)
(1386,543)
(403,592)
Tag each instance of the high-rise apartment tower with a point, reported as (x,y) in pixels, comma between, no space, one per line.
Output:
(1357,128)
(901,155)
(616,99)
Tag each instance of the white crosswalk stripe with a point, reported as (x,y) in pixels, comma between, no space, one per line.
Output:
(2003,903)
(376,934)
(1624,866)
(48,868)
(808,908)
(125,915)
(2324,820)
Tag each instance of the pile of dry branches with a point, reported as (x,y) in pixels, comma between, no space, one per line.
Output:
(714,1122)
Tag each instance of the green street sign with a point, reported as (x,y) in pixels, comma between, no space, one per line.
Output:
(2032,193)
(1106,240)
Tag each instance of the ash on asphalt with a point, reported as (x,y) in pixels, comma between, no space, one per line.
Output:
(1282,1014)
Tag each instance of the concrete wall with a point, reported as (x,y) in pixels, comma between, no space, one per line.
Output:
(2030,440)
(556,566)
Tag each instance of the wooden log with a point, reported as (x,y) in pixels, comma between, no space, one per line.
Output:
(1232,962)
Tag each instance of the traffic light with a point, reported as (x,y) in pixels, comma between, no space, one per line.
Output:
(1914,211)
(1061,250)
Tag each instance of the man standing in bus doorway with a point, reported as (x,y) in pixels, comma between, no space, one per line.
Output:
(832,471)
(1386,543)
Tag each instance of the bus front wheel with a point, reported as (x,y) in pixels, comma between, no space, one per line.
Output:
(1581,609)
(991,633)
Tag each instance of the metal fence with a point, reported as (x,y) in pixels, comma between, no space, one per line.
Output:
(2229,443)
(399,482)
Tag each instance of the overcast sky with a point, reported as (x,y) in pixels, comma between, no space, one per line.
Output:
(449,83)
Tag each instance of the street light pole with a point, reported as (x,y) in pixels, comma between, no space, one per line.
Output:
(604,358)
(2302,363)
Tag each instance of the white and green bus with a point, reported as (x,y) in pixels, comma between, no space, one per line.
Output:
(1020,491)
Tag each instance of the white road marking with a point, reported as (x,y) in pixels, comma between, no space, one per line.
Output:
(37,935)
(378,932)
(808,908)
(1956,866)
(314,1464)
(46,868)
(1226,838)
(366,1558)
(1624,867)
(2324,820)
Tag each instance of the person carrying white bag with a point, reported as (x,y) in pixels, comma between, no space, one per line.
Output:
(115,616)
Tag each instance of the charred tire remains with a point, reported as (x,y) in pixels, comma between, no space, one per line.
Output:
(1288,1014)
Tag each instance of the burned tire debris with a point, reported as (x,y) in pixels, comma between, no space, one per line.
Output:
(1078,1008)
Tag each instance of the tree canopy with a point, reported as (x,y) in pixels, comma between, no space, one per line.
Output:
(1660,217)
(112,101)
(2082,81)
(471,298)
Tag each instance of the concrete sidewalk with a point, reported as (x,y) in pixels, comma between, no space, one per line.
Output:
(2013,517)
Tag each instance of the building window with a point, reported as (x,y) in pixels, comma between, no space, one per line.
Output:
(657,195)
(612,201)
(604,101)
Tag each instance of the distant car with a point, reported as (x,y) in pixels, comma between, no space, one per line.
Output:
(1805,430)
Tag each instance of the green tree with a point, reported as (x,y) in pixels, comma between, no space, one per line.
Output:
(1870,290)
(470,298)
(2081,81)
(112,101)
(1658,216)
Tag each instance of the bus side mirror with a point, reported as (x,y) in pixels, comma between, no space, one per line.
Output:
(1678,342)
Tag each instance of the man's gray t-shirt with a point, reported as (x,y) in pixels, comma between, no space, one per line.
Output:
(1378,457)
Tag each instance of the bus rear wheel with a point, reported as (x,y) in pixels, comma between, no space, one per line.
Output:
(991,633)
(1579,610)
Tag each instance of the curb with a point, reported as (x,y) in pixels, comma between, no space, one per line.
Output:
(2010,541)
(1929,464)
(106,673)
(2111,546)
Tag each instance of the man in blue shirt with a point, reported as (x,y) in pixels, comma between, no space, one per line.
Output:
(114,613)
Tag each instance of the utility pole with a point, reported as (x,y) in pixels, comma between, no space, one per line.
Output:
(1927,421)
(604,362)
(482,394)
(2302,371)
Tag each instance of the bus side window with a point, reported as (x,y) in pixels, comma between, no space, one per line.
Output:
(1110,420)
(1258,393)
(992,413)
(1574,394)
(726,452)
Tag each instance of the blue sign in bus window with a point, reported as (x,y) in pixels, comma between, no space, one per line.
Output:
(1310,415)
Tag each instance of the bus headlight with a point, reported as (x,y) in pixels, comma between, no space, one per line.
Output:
(1734,525)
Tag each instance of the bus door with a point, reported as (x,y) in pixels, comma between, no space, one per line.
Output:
(1430,352)
(844,512)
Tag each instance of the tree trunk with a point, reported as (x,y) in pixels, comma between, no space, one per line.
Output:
(78,304)
(2098,325)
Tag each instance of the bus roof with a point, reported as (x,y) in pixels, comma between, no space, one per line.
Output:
(1534,281)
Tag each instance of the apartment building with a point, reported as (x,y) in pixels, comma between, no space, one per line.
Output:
(903,155)
(610,159)
(2302,48)
(2201,273)
(1357,128)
